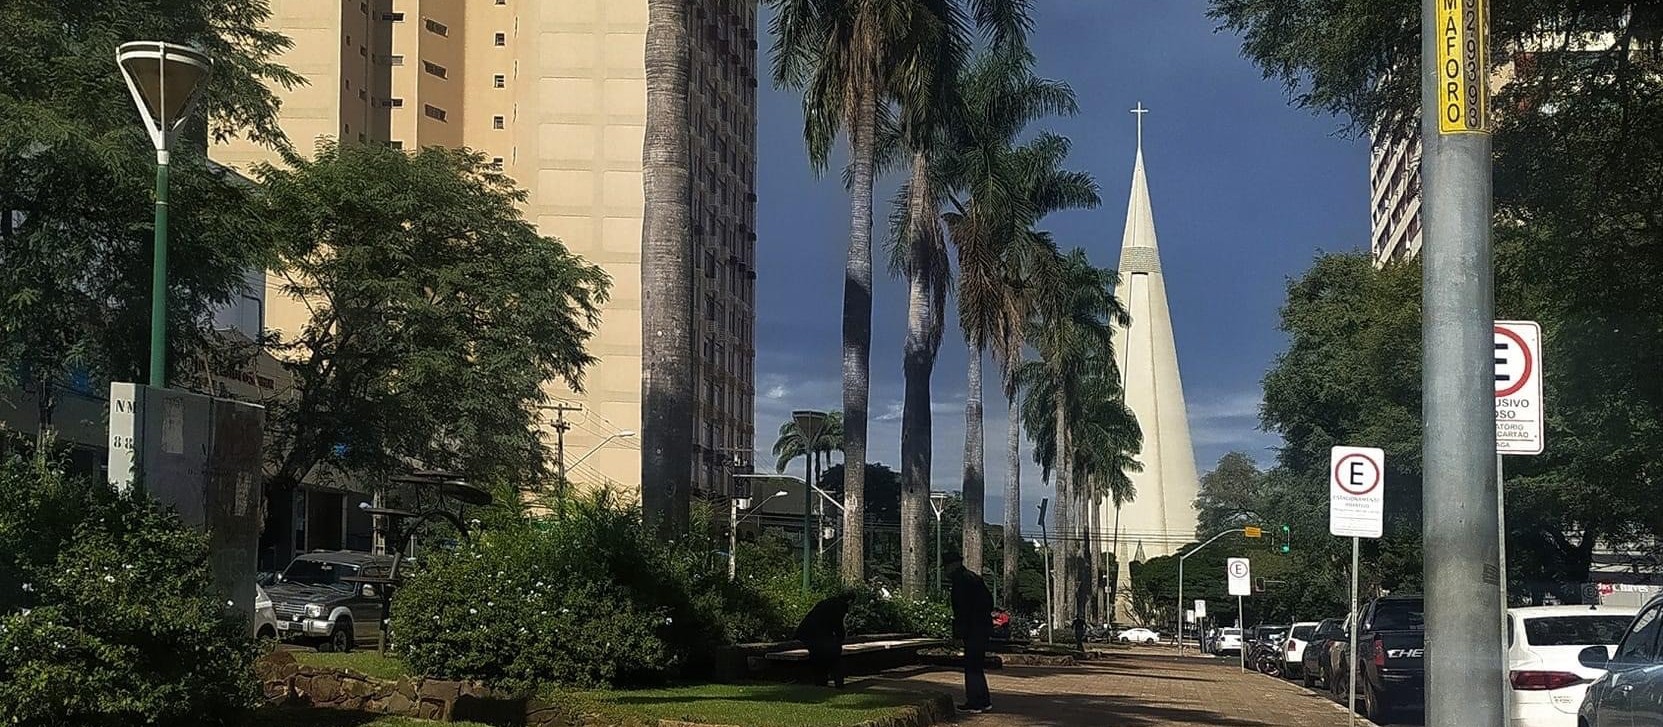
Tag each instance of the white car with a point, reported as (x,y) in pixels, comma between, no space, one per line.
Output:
(1138,635)
(1229,641)
(1542,647)
(265,617)
(1293,648)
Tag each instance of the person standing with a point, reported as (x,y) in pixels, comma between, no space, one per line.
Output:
(822,631)
(973,624)
(1080,634)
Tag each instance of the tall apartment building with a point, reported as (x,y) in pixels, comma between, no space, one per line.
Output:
(1394,193)
(554,91)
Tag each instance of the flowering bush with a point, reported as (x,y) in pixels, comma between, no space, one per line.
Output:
(589,599)
(106,616)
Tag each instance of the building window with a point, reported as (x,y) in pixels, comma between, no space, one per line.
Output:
(396,144)
(499,81)
(395,60)
(500,39)
(502,2)
(393,17)
(433,112)
(497,122)
(496,163)
(435,69)
(360,137)
(435,27)
(396,103)
(362,94)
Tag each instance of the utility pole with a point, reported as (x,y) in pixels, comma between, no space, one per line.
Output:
(1463,609)
(561,426)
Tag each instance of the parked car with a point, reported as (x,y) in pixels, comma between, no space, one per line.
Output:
(265,617)
(1543,644)
(1293,647)
(1229,642)
(1314,663)
(316,602)
(1629,692)
(1391,651)
(1138,635)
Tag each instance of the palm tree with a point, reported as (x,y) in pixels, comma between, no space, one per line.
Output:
(850,58)
(1071,330)
(790,445)
(667,386)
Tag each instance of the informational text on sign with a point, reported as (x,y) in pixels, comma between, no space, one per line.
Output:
(1356,491)
(1463,67)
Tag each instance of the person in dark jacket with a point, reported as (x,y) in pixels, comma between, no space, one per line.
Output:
(1079,634)
(972,624)
(822,632)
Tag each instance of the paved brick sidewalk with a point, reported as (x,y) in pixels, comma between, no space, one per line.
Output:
(1134,689)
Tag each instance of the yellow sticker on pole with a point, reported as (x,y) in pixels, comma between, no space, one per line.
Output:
(1252,531)
(1463,67)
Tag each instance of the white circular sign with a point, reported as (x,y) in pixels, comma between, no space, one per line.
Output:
(1238,569)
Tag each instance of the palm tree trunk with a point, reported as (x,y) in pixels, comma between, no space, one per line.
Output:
(857,334)
(975,481)
(918,363)
(1013,489)
(667,386)
(1062,561)
(1094,566)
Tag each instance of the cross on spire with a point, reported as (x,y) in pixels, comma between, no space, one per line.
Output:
(1139,111)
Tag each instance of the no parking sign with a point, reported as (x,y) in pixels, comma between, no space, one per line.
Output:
(1518,387)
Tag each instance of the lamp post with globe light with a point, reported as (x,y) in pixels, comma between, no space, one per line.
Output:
(810,423)
(164,79)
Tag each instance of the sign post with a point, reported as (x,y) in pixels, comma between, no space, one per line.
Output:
(1519,426)
(1356,509)
(1240,574)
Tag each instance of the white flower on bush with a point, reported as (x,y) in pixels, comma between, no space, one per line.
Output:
(109,579)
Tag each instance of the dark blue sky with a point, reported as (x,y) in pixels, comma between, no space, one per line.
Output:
(1246,190)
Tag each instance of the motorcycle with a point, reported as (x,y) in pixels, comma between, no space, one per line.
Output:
(1266,658)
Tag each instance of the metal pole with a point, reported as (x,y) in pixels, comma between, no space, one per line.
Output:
(1351,656)
(1501,557)
(158,278)
(1181,605)
(1050,613)
(733,536)
(937,551)
(1462,566)
(1241,625)
(808,497)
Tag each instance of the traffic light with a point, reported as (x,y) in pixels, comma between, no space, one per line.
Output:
(1259,584)
(1286,541)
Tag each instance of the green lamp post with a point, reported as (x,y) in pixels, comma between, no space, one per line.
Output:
(809,423)
(164,79)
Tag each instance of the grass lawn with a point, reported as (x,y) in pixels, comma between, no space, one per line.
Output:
(749,705)
(367,663)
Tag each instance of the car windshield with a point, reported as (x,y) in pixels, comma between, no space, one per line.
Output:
(1404,615)
(1304,633)
(319,573)
(1588,630)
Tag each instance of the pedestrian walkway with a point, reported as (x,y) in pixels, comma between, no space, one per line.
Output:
(1138,688)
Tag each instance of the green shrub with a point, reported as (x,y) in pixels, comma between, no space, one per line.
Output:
(106,616)
(589,599)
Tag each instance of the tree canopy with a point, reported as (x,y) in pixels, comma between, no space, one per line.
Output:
(437,314)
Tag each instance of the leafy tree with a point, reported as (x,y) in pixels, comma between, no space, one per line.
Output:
(437,315)
(76,172)
(1232,495)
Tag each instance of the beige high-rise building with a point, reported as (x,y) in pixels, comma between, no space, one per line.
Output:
(1394,192)
(554,91)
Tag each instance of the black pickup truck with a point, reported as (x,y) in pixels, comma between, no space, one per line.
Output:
(1391,651)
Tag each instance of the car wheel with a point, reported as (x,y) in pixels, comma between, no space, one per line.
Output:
(266,633)
(340,640)
(1306,678)
(1375,710)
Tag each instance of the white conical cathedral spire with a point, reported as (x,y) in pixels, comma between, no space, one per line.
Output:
(1160,517)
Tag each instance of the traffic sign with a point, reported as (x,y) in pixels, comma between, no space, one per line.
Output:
(1240,573)
(1201,607)
(1519,412)
(1252,531)
(1356,491)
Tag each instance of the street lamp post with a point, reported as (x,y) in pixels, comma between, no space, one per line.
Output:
(163,78)
(938,503)
(733,529)
(625,434)
(809,423)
